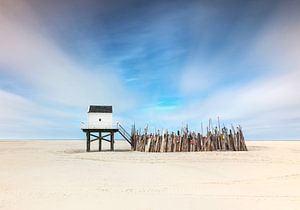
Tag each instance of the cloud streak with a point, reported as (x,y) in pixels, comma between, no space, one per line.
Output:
(49,76)
(156,63)
(267,106)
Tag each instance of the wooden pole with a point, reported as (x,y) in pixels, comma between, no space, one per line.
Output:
(189,142)
(167,138)
(88,141)
(112,141)
(216,139)
(100,141)
(219,125)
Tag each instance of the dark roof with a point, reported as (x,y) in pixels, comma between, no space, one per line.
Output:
(100,109)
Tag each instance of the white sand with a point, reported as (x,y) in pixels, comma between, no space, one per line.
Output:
(60,175)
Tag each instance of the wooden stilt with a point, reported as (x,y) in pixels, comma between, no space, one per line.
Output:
(88,142)
(100,141)
(112,141)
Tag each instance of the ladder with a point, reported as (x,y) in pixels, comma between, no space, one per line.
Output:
(124,133)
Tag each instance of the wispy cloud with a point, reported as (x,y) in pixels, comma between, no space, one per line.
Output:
(49,76)
(268,105)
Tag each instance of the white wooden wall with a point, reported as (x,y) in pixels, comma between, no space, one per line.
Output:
(94,122)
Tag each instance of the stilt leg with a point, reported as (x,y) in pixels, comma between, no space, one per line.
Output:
(88,141)
(112,141)
(100,141)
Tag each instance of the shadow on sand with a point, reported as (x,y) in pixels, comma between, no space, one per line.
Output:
(95,151)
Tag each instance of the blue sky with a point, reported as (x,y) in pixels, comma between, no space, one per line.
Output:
(162,63)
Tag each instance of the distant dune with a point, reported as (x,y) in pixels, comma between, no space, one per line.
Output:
(61,175)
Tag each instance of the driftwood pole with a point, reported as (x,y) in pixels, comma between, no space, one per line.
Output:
(217,139)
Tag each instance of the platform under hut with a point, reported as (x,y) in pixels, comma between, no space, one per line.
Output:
(100,134)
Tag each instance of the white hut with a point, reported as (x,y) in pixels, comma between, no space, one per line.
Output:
(100,127)
(100,117)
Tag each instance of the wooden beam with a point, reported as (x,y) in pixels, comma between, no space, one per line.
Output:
(97,137)
(106,135)
(100,141)
(94,139)
(93,135)
(105,140)
(112,141)
(88,142)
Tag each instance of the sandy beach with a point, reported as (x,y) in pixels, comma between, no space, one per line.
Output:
(61,175)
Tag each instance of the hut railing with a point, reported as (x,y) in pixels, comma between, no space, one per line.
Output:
(124,133)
